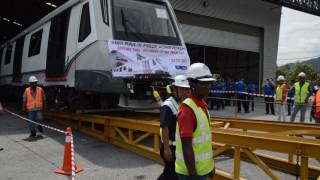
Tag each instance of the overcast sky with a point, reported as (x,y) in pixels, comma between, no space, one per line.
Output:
(299,36)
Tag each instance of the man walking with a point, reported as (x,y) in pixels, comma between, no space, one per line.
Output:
(34,102)
(168,122)
(193,134)
(302,94)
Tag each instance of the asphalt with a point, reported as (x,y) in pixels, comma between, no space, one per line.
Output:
(22,159)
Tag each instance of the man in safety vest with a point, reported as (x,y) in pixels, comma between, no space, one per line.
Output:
(302,93)
(179,90)
(34,102)
(194,157)
(281,97)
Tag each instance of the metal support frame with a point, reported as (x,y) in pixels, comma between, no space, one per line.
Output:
(236,136)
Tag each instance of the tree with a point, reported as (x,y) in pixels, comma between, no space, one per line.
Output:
(292,72)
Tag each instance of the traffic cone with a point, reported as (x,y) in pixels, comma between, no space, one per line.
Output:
(66,169)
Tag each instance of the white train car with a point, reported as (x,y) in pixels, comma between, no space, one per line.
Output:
(67,51)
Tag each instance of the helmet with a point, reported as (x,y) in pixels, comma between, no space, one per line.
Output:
(32,79)
(199,71)
(301,74)
(281,78)
(181,81)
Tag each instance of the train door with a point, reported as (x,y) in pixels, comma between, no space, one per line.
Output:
(18,59)
(56,54)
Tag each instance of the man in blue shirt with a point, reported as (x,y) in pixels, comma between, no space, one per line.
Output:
(290,99)
(251,89)
(168,122)
(241,89)
(269,92)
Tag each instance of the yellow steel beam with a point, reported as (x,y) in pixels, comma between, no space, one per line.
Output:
(227,125)
(289,145)
(141,138)
(123,136)
(262,125)
(304,168)
(221,175)
(221,150)
(274,162)
(260,163)
(236,167)
(310,132)
(266,141)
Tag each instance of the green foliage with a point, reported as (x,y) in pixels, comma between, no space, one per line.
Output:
(292,72)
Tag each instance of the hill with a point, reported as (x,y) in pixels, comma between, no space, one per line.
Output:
(315,63)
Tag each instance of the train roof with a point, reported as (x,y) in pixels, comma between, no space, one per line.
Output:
(43,20)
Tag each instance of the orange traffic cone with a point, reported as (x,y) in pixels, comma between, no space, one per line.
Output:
(67,161)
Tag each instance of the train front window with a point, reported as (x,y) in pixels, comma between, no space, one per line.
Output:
(141,21)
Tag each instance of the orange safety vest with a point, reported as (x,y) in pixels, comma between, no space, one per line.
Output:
(36,102)
(317,103)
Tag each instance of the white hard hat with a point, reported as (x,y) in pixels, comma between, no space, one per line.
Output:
(199,71)
(32,79)
(301,74)
(281,78)
(181,81)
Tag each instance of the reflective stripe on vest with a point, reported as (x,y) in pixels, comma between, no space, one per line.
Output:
(300,93)
(34,102)
(201,143)
(279,92)
(173,105)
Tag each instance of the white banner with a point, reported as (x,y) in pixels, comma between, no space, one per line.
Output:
(133,58)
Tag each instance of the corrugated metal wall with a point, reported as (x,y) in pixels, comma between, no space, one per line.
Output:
(256,13)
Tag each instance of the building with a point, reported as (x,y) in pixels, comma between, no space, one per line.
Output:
(235,38)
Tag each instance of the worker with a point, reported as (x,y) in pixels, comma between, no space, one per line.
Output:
(34,102)
(269,93)
(251,89)
(168,122)
(281,97)
(194,157)
(302,94)
(241,89)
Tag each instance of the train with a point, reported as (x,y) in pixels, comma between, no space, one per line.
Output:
(69,52)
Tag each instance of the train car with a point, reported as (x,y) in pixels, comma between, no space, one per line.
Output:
(67,51)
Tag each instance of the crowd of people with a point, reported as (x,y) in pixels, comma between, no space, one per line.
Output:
(289,97)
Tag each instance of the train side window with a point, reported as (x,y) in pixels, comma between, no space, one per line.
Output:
(35,43)
(104,10)
(8,55)
(85,25)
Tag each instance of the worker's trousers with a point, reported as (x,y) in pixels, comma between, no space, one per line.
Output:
(169,167)
(302,108)
(36,116)
(281,111)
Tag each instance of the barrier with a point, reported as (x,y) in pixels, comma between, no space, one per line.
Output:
(69,167)
(236,137)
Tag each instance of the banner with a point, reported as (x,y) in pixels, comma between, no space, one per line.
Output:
(136,58)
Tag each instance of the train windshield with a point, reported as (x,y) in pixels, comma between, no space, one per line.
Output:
(142,21)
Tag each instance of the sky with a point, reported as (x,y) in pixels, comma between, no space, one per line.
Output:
(299,37)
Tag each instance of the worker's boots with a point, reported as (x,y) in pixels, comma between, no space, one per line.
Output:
(33,134)
(40,130)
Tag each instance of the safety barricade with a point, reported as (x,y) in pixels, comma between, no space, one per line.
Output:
(69,166)
(236,137)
